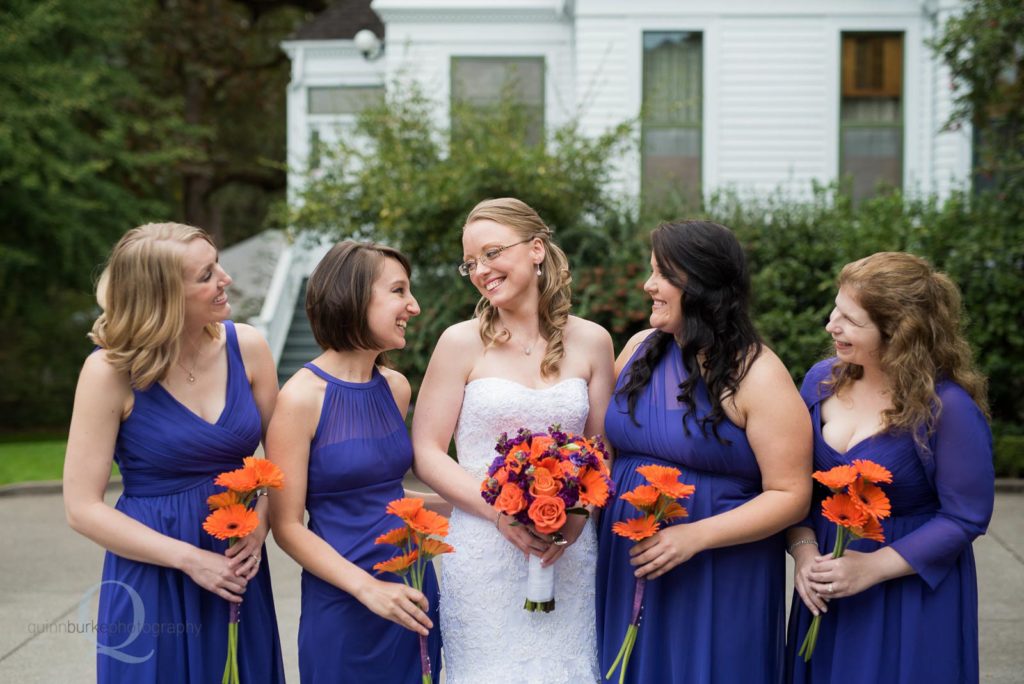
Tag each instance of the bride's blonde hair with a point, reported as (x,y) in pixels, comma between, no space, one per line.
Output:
(554,280)
(142,294)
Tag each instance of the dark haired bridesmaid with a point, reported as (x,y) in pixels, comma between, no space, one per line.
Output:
(339,435)
(702,393)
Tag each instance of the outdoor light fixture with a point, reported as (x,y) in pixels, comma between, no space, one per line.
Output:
(369,44)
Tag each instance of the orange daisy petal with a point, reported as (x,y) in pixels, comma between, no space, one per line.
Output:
(267,472)
(836,478)
(872,529)
(435,547)
(396,537)
(232,521)
(636,528)
(872,472)
(399,564)
(593,489)
(674,511)
(222,500)
(840,509)
(643,497)
(870,499)
(666,480)
(243,480)
(405,508)
(428,522)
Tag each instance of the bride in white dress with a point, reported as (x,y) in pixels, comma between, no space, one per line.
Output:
(522,361)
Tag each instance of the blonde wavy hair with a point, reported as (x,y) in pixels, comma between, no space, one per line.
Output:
(919,314)
(142,294)
(554,281)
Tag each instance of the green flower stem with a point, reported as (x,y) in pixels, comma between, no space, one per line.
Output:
(811,639)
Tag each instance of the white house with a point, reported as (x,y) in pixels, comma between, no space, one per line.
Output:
(740,94)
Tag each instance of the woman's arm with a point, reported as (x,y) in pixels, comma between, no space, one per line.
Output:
(433,423)
(291,431)
(100,400)
(778,429)
(259,366)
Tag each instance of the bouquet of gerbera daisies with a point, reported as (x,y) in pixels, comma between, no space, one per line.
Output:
(418,538)
(856,506)
(539,478)
(658,502)
(232,517)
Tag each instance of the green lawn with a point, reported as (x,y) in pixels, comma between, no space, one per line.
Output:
(29,461)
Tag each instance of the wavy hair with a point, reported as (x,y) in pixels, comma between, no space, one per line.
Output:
(554,281)
(919,314)
(142,296)
(719,342)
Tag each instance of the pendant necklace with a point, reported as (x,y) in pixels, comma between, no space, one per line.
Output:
(191,373)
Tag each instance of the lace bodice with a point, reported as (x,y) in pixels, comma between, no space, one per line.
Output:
(487,635)
(495,405)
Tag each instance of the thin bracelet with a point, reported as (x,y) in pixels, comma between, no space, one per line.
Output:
(262,491)
(798,542)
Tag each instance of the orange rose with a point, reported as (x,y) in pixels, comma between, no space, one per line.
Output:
(538,445)
(510,501)
(547,514)
(543,483)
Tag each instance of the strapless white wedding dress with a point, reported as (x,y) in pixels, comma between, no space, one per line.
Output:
(488,637)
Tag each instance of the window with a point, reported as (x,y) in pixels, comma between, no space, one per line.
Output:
(671,117)
(871,112)
(486,82)
(341,100)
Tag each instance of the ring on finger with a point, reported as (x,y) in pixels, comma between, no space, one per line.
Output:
(829,588)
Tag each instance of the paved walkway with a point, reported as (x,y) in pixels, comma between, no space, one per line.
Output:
(46,569)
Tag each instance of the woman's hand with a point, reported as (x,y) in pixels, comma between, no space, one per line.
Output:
(246,554)
(669,547)
(522,537)
(397,602)
(213,572)
(571,531)
(847,575)
(804,556)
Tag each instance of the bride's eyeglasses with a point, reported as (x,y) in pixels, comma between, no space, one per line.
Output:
(488,255)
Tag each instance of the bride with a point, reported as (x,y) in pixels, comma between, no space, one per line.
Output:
(522,361)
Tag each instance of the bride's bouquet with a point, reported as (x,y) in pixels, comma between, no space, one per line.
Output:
(540,478)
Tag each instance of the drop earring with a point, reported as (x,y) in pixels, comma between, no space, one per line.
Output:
(538,270)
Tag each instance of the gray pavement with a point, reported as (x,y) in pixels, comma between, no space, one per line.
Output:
(46,569)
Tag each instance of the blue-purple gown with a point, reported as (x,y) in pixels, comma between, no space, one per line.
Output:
(718,617)
(155,624)
(359,454)
(922,627)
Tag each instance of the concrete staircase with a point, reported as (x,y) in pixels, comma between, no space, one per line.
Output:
(299,346)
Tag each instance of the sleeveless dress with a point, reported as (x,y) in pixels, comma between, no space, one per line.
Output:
(359,454)
(488,636)
(922,627)
(155,624)
(718,617)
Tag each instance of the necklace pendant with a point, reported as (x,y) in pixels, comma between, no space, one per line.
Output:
(191,379)
(528,350)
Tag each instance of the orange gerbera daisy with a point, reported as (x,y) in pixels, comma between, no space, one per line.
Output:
(840,509)
(872,472)
(643,497)
(551,464)
(870,498)
(267,472)
(432,548)
(593,489)
(836,478)
(231,521)
(396,537)
(428,522)
(636,528)
(406,507)
(674,511)
(222,500)
(666,480)
(243,480)
(399,564)
(872,529)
